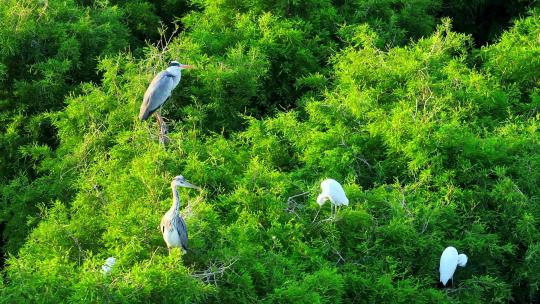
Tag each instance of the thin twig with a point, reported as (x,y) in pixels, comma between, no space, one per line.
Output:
(209,275)
(187,212)
(162,45)
(404,202)
(81,252)
(99,194)
(44,9)
(339,254)
(292,204)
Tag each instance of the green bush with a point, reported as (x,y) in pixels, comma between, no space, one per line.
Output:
(434,141)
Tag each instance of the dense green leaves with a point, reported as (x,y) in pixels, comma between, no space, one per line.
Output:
(435,142)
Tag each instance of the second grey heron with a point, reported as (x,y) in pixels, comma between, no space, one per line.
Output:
(172,225)
(159,90)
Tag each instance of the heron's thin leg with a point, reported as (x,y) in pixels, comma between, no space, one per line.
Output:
(163,130)
(162,123)
(163,120)
(158,119)
(320,207)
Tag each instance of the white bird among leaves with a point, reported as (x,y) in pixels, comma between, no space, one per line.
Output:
(450,259)
(109,263)
(332,191)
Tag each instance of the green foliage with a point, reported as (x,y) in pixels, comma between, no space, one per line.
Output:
(47,48)
(435,142)
(518,51)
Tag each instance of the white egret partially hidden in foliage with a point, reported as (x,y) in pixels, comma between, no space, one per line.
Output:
(450,259)
(159,90)
(332,191)
(109,263)
(172,224)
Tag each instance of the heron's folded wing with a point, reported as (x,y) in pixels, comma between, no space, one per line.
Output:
(448,264)
(157,93)
(180,226)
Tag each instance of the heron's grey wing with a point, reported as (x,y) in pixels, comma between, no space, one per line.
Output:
(180,226)
(157,93)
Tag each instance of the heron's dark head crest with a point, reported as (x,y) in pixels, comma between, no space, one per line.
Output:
(174,63)
(180,181)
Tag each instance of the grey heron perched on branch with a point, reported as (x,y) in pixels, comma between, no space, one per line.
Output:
(332,191)
(159,90)
(450,260)
(172,224)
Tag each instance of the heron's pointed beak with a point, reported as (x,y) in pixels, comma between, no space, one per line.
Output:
(190,185)
(186,66)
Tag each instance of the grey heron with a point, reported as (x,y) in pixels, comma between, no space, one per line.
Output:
(332,191)
(172,224)
(450,259)
(159,90)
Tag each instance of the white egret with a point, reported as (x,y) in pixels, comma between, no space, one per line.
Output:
(450,259)
(109,263)
(332,191)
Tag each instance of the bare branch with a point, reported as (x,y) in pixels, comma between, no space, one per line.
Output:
(213,271)
(81,254)
(292,205)
(188,210)
(341,259)
(162,45)
(99,194)
(404,202)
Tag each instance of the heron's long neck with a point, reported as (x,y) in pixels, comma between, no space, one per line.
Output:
(176,79)
(176,200)
(176,73)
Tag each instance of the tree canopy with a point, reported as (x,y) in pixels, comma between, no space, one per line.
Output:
(427,117)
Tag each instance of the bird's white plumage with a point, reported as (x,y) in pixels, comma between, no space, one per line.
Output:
(462,260)
(449,262)
(333,191)
(171,237)
(109,263)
